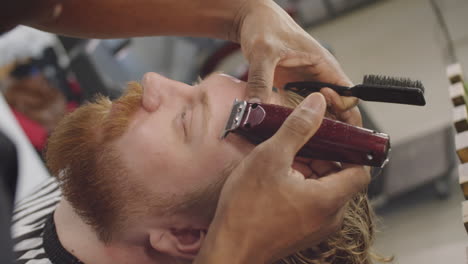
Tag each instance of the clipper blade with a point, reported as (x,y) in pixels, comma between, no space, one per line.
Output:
(237,112)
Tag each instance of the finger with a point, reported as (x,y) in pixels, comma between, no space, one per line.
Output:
(324,167)
(300,125)
(344,108)
(345,184)
(303,168)
(352,116)
(320,167)
(341,103)
(260,82)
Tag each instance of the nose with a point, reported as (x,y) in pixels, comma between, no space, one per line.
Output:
(151,94)
(157,89)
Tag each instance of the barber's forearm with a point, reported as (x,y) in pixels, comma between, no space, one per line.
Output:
(127,18)
(17,12)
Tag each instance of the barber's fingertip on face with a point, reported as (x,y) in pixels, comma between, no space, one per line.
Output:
(254,100)
(256,94)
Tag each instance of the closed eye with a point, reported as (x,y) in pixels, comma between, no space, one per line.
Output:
(184,122)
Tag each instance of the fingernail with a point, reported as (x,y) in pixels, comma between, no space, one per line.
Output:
(313,102)
(254,100)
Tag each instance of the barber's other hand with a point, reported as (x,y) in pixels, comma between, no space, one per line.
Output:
(267,210)
(280,51)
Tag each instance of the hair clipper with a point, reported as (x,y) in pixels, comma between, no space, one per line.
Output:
(334,140)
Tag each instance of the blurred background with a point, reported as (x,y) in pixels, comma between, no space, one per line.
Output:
(417,196)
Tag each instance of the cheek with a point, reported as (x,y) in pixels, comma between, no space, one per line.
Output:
(225,93)
(217,157)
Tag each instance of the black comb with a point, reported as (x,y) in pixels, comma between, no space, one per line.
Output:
(375,88)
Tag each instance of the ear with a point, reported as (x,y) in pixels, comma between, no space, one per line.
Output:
(184,243)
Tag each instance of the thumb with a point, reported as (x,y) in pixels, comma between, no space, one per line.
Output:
(300,125)
(260,82)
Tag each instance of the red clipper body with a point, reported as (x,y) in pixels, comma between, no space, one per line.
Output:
(334,140)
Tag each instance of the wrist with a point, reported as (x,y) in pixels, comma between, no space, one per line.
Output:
(245,9)
(233,33)
(252,13)
(223,245)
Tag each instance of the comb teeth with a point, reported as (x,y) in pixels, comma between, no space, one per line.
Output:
(391,81)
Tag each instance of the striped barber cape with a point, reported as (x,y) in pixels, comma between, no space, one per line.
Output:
(33,230)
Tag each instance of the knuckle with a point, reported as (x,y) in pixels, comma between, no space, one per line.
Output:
(361,178)
(336,223)
(332,218)
(257,82)
(330,201)
(366,175)
(263,44)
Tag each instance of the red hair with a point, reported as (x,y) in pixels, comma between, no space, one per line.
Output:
(80,153)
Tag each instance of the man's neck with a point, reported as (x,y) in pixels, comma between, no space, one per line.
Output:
(77,237)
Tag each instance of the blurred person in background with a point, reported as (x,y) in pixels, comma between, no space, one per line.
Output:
(37,105)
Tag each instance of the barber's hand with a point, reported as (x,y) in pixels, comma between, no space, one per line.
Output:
(280,51)
(267,210)
(320,168)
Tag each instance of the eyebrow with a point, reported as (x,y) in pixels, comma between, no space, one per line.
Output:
(206,108)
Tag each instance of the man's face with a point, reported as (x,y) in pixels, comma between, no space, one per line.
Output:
(173,144)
